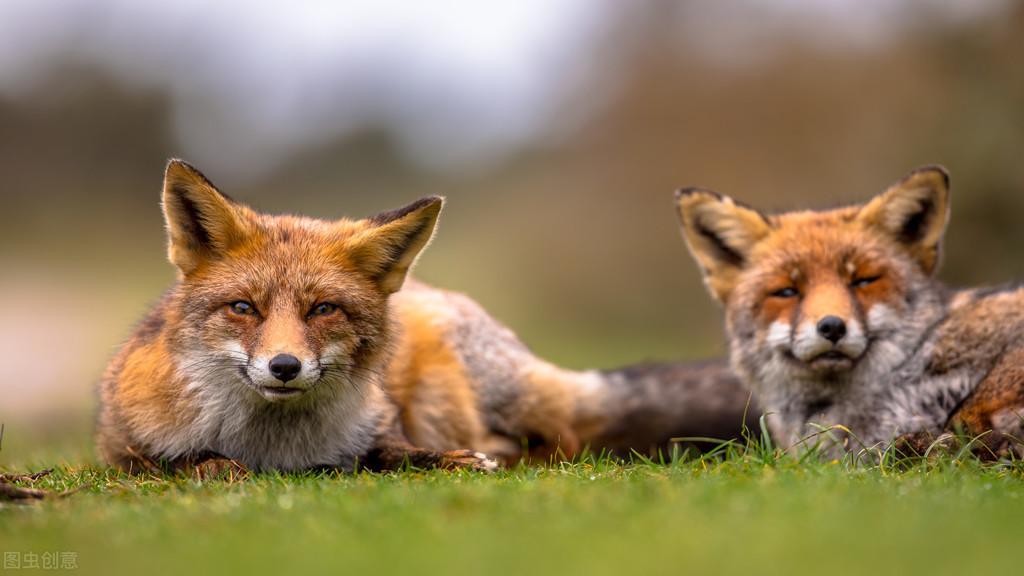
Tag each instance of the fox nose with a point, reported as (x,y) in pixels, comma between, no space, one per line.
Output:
(832,328)
(285,367)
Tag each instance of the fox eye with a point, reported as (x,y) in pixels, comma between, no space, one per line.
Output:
(864,281)
(787,292)
(242,308)
(323,309)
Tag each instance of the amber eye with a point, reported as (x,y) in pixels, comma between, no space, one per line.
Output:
(242,308)
(788,292)
(864,281)
(323,309)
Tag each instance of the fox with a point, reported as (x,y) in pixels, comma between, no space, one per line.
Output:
(292,343)
(836,321)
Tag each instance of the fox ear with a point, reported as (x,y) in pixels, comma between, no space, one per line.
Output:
(389,246)
(914,212)
(720,234)
(202,223)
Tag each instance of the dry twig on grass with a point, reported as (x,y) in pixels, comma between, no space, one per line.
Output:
(25,477)
(12,493)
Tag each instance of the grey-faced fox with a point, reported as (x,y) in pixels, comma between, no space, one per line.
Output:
(292,343)
(835,317)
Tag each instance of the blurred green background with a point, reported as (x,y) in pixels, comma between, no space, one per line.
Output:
(557,130)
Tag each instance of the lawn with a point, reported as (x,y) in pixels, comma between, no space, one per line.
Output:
(750,511)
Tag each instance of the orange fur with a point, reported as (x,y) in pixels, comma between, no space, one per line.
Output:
(835,318)
(382,370)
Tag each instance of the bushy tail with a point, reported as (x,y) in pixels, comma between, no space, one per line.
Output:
(645,406)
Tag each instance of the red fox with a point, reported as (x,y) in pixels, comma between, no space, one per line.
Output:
(291,343)
(835,318)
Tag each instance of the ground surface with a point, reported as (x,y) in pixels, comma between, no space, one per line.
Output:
(752,512)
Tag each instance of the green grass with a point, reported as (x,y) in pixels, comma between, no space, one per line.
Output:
(751,511)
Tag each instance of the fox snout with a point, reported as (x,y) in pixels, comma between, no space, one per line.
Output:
(285,367)
(829,343)
(832,328)
(283,375)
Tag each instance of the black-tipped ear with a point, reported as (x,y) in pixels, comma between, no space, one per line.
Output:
(720,234)
(202,223)
(914,212)
(392,240)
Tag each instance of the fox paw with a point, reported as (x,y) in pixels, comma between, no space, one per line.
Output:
(998,445)
(467,460)
(924,443)
(219,468)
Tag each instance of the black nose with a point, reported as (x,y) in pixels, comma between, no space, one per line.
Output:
(832,328)
(285,367)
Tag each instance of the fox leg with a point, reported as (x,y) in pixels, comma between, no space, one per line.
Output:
(215,467)
(393,451)
(994,412)
(201,466)
(924,442)
(547,412)
(397,455)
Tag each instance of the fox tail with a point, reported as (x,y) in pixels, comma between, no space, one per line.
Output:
(645,407)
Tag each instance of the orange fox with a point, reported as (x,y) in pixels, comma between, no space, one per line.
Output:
(835,318)
(290,343)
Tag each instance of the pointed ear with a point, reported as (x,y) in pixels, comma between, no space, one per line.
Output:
(914,212)
(202,223)
(720,234)
(389,245)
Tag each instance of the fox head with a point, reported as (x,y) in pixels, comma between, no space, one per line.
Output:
(281,305)
(822,295)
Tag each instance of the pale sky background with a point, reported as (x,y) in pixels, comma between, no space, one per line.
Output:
(460,82)
(462,86)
